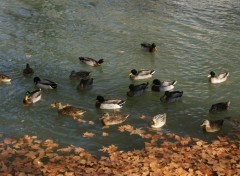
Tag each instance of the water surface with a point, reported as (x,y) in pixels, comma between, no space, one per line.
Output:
(192,37)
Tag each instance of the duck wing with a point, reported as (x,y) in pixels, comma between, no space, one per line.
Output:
(223,75)
(145,72)
(176,94)
(35,94)
(140,87)
(168,83)
(145,45)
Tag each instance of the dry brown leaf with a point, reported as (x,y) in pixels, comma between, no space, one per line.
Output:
(123,128)
(88,134)
(7,140)
(105,134)
(91,123)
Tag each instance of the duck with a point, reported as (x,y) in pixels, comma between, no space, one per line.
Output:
(137,90)
(220,107)
(113,119)
(149,47)
(32,97)
(171,96)
(109,104)
(90,61)
(141,74)
(159,120)
(69,110)
(4,78)
(28,70)
(79,74)
(44,83)
(215,79)
(85,83)
(162,86)
(212,126)
(235,123)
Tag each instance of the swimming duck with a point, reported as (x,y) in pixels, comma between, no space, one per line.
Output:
(28,70)
(44,83)
(171,96)
(162,86)
(234,123)
(159,120)
(79,75)
(141,74)
(213,78)
(212,126)
(85,83)
(219,107)
(149,47)
(137,90)
(108,104)
(113,119)
(90,61)
(69,110)
(32,97)
(4,78)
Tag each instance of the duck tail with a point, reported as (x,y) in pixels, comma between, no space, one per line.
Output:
(122,102)
(227,74)
(54,86)
(228,103)
(100,61)
(174,82)
(152,72)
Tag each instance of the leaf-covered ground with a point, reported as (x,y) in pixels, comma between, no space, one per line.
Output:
(163,154)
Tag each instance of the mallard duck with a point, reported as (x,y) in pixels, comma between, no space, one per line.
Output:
(171,96)
(137,90)
(113,119)
(212,126)
(162,86)
(234,123)
(141,74)
(108,104)
(213,78)
(85,83)
(220,107)
(90,61)
(79,75)
(32,97)
(69,110)
(44,83)
(28,70)
(149,47)
(4,78)
(159,120)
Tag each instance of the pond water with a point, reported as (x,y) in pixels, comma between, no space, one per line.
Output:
(192,39)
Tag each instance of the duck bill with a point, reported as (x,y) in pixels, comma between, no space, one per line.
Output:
(53,105)
(26,98)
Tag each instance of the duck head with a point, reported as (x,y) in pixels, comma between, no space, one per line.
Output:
(131,86)
(156,82)
(133,72)
(100,61)
(205,123)
(211,74)
(36,79)
(100,98)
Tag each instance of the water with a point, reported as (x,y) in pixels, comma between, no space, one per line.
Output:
(192,37)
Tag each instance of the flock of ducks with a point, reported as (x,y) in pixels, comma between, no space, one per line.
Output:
(86,82)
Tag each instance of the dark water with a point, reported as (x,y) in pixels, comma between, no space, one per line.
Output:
(192,38)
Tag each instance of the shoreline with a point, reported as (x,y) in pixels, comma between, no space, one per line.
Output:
(28,155)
